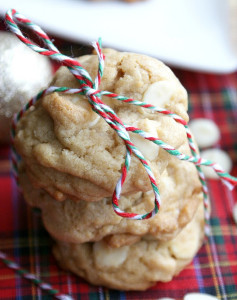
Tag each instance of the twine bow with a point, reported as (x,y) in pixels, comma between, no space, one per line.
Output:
(91,90)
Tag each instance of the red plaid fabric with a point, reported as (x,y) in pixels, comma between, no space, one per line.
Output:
(213,270)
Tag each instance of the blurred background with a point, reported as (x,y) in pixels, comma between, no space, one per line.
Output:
(192,34)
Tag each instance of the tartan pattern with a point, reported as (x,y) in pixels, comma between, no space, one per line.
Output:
(213,270)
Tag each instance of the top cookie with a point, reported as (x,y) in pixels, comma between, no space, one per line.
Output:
(71,152)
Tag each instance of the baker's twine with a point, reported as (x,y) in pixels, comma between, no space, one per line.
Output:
(34,279)
(91,90)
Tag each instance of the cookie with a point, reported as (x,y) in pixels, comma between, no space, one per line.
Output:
(135,267)
(71,152)
(83,221)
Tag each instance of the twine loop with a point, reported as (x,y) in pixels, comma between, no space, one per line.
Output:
(91,91)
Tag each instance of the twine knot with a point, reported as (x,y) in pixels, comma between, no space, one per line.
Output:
(90,91)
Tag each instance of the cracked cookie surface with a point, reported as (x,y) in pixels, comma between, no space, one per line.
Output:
(83,221)
(135,267)
(69,151)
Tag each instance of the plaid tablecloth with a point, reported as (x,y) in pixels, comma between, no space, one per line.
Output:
(213,270)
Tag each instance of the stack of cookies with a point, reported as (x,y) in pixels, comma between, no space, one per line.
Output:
(72,160)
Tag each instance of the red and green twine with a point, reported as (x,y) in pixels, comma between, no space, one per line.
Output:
(31,277)
(91,90)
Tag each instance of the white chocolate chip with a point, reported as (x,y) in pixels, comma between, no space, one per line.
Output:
(93,122)
(93,118)
(106,257)
(199,296)
(218,156)
(184,247)
(205,131)
(159,93)
(146,147)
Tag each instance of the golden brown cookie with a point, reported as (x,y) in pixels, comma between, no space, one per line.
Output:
(135,267)
(83,221)
(70,152)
